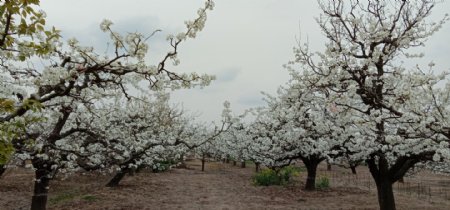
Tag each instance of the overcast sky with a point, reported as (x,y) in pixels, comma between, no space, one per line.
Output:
(245,42)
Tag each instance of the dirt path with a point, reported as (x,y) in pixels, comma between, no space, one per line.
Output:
(221,186)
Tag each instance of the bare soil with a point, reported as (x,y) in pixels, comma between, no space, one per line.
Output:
(221,186)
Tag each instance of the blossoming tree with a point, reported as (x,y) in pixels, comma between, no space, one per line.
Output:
(297,125)
(389,111)
(152,133)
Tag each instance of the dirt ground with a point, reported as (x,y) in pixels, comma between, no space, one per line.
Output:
(221,186)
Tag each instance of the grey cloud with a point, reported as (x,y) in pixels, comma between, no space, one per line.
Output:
(227,75)
(251,100)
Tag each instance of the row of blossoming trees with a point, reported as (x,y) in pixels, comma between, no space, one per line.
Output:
(355,102)
(75,109)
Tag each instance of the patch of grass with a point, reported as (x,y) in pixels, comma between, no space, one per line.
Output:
(323,183)
(63,197)
(70,196)
(90,198)
(268,177)
(288,172)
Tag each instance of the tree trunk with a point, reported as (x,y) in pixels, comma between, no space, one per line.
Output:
(2,169)
(257,167)
(114,182)
(243,164)
(380,173)
(385,195)
(353,168)
(234,163)
(203,162)
(41,186)
(328,166)
(311,167)
(311,178)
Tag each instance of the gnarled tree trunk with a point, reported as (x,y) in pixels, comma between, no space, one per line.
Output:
(385,175)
